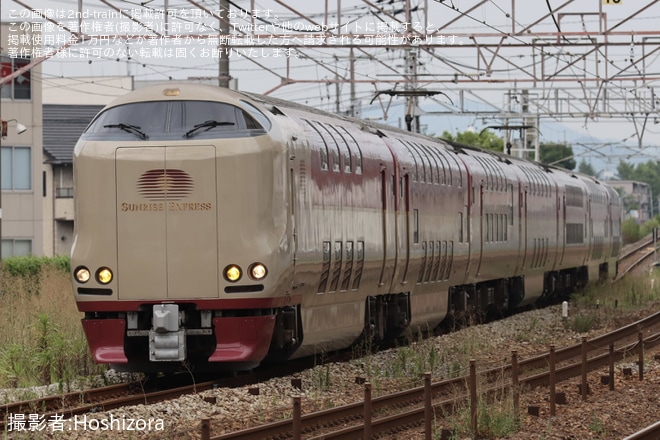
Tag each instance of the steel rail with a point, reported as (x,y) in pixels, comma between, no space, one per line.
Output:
(354,412)
(651,432)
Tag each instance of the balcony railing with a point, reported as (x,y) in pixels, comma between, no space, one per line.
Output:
(63,193)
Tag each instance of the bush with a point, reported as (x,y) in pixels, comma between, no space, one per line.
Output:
(582,324)
(647,227)
(630,231)
(41,338)
(31,266)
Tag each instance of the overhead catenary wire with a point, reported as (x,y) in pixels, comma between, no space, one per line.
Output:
(151,68)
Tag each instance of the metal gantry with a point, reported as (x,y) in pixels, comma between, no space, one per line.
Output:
(509,61)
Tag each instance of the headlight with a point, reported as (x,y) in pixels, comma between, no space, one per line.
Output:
(232,273)
(258,271)
(104,275)
(81,274)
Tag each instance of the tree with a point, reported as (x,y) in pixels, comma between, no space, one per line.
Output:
(626,171)
(560,155)
(648,172)
(586,168)
(484,139)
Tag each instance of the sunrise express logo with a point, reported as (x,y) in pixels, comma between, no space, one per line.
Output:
(165,190)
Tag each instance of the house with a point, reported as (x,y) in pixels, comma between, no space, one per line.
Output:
(69,105)
(21,198)
(637,199)
(62,126)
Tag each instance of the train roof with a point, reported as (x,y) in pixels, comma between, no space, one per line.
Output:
(205,92)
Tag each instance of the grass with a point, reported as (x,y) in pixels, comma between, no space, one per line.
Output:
(598,305)
(41,342)
(41,338)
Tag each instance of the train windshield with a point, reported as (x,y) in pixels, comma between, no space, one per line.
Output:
(176,120)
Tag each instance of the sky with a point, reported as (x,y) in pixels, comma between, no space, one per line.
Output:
(493,41)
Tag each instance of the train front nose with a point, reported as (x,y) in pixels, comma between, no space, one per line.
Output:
(167,221)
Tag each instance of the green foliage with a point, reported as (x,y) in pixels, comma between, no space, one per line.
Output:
(597,425)
(582,323)
(630,232)
(484,139)
(647,227)
(648,172)
(496,420)
(560,155)
(41,339)
(586,168)
(31,266)
(323,380)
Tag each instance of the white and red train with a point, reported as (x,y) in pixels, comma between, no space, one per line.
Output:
(220,229)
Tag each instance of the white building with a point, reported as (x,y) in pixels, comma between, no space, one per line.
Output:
(22,194)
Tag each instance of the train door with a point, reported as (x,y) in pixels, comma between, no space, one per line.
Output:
(522,215)
(474,222)
(483,227)
(404,231)
(167,234)
(296,173)
(389,227)
(561,226)
(588,231)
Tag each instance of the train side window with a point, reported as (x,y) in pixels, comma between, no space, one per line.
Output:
(333,147)
(440,166)
(415,225)
(443,257)
(422,268)
(415,173)
(355,149)
(548,186)
(445,176)
(336,271)
(438,257)
(459,177)
(325,269)
(359,264)
(349,266)
(345,150)
(537,184)
(486,171)
(433,163)
(420,161)
(511,202)
(257,115)
(450,259)
(432,256)
(316,138)
(488,226)
(460,227)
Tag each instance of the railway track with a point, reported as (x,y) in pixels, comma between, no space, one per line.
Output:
(151,391)
(651,432)
(400,411)
(636,257)
(116,396)
(98,399)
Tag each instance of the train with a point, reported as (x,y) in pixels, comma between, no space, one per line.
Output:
(218,230)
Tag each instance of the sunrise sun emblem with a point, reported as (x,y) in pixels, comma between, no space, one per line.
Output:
(165,184)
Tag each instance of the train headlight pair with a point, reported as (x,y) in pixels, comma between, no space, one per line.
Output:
(103,275)
(256,271)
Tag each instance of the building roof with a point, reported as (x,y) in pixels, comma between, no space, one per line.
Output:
(62,126)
